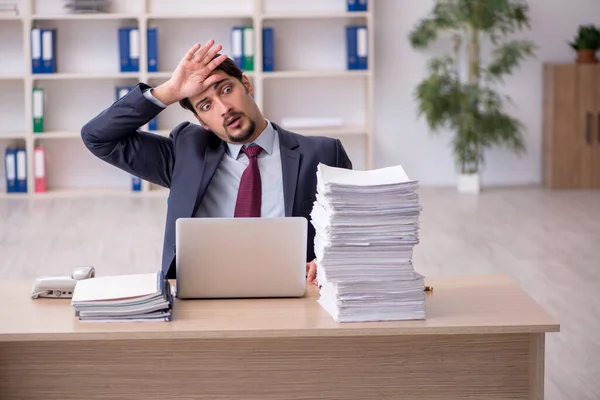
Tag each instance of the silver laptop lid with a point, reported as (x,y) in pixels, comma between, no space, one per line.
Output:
(241,257)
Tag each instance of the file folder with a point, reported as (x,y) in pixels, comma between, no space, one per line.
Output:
(152,49)
(237,46)
(153,124)
(10,164)
(39,154)
(36,51)
(248,45)
(124,49)
(134,49)
(357,47)
(136,184)
(48,51)
(362,47)
(356,5)
(351,48)
(38,110)
(268,49)
(21,170)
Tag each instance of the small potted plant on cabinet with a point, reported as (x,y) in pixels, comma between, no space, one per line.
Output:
(586,44)
(471,107)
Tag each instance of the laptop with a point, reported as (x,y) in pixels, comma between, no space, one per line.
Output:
(240,257)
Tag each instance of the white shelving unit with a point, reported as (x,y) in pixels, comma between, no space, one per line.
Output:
(310,77)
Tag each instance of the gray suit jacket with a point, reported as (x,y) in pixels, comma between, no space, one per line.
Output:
(186,161)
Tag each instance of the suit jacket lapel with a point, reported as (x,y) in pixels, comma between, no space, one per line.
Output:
(290,165)
(213,153)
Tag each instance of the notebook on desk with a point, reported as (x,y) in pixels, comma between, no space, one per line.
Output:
(137,297)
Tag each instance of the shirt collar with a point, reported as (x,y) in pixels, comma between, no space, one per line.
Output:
(264,140)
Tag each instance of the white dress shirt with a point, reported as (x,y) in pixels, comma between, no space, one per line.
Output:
(221,194)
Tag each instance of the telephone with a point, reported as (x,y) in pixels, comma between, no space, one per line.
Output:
(60,286)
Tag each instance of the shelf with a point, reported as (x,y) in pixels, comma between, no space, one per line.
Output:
(5,195)
(314,15)
(78,17)
(161,132)
(331,131)
(12,136)
(9,18)
(160,75)
(316,74)
(86,76)
(108,192)
(11,77)
(199,16)
(57,135)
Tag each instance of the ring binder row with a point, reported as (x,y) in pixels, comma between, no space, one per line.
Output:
(15,163)
(44,49)
(242,47)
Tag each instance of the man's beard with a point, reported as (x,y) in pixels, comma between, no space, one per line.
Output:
(245,134)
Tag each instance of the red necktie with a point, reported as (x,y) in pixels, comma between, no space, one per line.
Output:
(250,190)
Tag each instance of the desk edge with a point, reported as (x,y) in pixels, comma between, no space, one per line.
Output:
(260,334)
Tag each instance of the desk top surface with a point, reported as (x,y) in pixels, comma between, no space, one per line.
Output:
(480,304)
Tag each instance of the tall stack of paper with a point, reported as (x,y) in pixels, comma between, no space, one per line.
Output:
(139,297)
(366,225)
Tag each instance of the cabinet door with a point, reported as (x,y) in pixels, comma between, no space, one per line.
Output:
(588,119)
(564,131)
(595,136)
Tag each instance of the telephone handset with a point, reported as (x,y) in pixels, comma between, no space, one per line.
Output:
(60,286)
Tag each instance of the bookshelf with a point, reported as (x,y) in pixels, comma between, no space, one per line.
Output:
(310,78)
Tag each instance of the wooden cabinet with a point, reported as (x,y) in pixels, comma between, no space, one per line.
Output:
(571,126)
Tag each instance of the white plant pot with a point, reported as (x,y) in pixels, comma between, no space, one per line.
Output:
(469,183)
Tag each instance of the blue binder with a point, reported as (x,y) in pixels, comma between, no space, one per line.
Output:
(152,49)
(134,49)
(268,49)
(36,51)
(10,165)
(356,5)
(351,48)
(357,47)
(48,51)
(124,49)
(237,49)
(153,124)
(362,47)
(136,184)
(21,157)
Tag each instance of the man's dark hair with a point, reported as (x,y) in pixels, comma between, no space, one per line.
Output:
(229,67)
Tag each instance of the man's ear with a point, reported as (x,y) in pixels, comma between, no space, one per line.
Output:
(248,85)
(201,122)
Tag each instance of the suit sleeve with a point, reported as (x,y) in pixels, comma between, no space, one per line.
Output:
(342,159)
(114,137)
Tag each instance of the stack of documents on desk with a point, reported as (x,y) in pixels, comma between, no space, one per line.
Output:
(123,298)
(367,225)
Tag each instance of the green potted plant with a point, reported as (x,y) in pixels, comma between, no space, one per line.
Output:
(470,106)
(586,43)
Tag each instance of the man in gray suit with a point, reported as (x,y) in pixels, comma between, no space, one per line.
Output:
(235,163)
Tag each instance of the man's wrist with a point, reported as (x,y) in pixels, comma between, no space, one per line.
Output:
(164,94)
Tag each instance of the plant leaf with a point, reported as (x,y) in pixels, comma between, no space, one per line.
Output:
(507,57)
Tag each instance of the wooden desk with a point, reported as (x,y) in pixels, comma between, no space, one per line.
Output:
(483,339)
